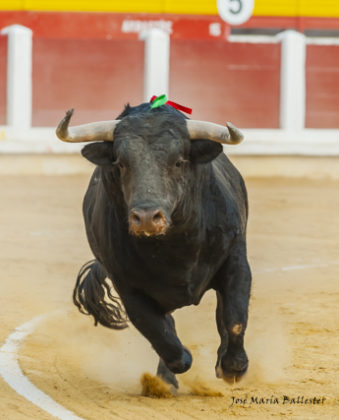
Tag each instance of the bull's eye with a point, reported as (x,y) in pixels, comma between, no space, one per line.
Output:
(118,164)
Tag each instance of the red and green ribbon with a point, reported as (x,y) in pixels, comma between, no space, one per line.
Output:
(157,101)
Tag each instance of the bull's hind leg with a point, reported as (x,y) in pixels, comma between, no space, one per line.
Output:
(233,292)
(159,329)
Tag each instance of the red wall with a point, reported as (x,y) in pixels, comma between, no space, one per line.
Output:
(102,25)
(96,77)
(322,86)
(220,81)
(89,62)
(223,81)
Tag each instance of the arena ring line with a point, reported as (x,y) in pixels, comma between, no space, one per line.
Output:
(12,374)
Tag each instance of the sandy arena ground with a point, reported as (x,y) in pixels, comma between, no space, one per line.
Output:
(292,336)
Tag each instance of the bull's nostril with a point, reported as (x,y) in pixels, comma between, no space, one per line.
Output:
(135,219)
(157,217)
(147,221)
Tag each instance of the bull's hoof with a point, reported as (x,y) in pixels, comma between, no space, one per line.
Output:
(166,375)
(230,377)
(181,365)
(232,369)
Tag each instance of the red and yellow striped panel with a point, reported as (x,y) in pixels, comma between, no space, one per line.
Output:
(285,8)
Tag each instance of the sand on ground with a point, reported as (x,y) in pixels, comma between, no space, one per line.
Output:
(292,336)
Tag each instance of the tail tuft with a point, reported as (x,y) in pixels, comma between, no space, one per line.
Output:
(93,296)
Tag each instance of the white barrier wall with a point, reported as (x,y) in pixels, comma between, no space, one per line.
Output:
(291,138)
(19,76)
(157,56)
(292,81)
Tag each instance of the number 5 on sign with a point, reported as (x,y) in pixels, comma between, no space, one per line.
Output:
(235,12)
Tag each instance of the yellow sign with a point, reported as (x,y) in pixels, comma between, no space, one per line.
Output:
(307,8)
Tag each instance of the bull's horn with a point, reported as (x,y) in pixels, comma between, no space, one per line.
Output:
(97,131)
(215,132)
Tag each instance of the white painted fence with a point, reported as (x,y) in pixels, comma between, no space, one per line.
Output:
(19,76)
(157,56)
(291,139)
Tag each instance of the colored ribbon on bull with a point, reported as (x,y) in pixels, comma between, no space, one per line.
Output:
(157,101)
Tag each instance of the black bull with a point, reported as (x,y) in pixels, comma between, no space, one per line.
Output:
(166,220)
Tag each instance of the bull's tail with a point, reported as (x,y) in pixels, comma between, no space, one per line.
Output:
(93,296)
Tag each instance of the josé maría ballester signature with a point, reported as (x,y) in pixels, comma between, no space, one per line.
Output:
(283,400)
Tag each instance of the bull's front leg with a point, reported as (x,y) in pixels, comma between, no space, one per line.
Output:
(159,329)
(166,375)
(233,292)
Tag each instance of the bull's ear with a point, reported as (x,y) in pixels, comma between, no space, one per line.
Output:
(99,153)
(203,151)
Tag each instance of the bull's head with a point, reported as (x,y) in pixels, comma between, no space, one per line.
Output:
(154,155)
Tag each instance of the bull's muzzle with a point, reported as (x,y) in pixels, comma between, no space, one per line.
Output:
(147,222)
